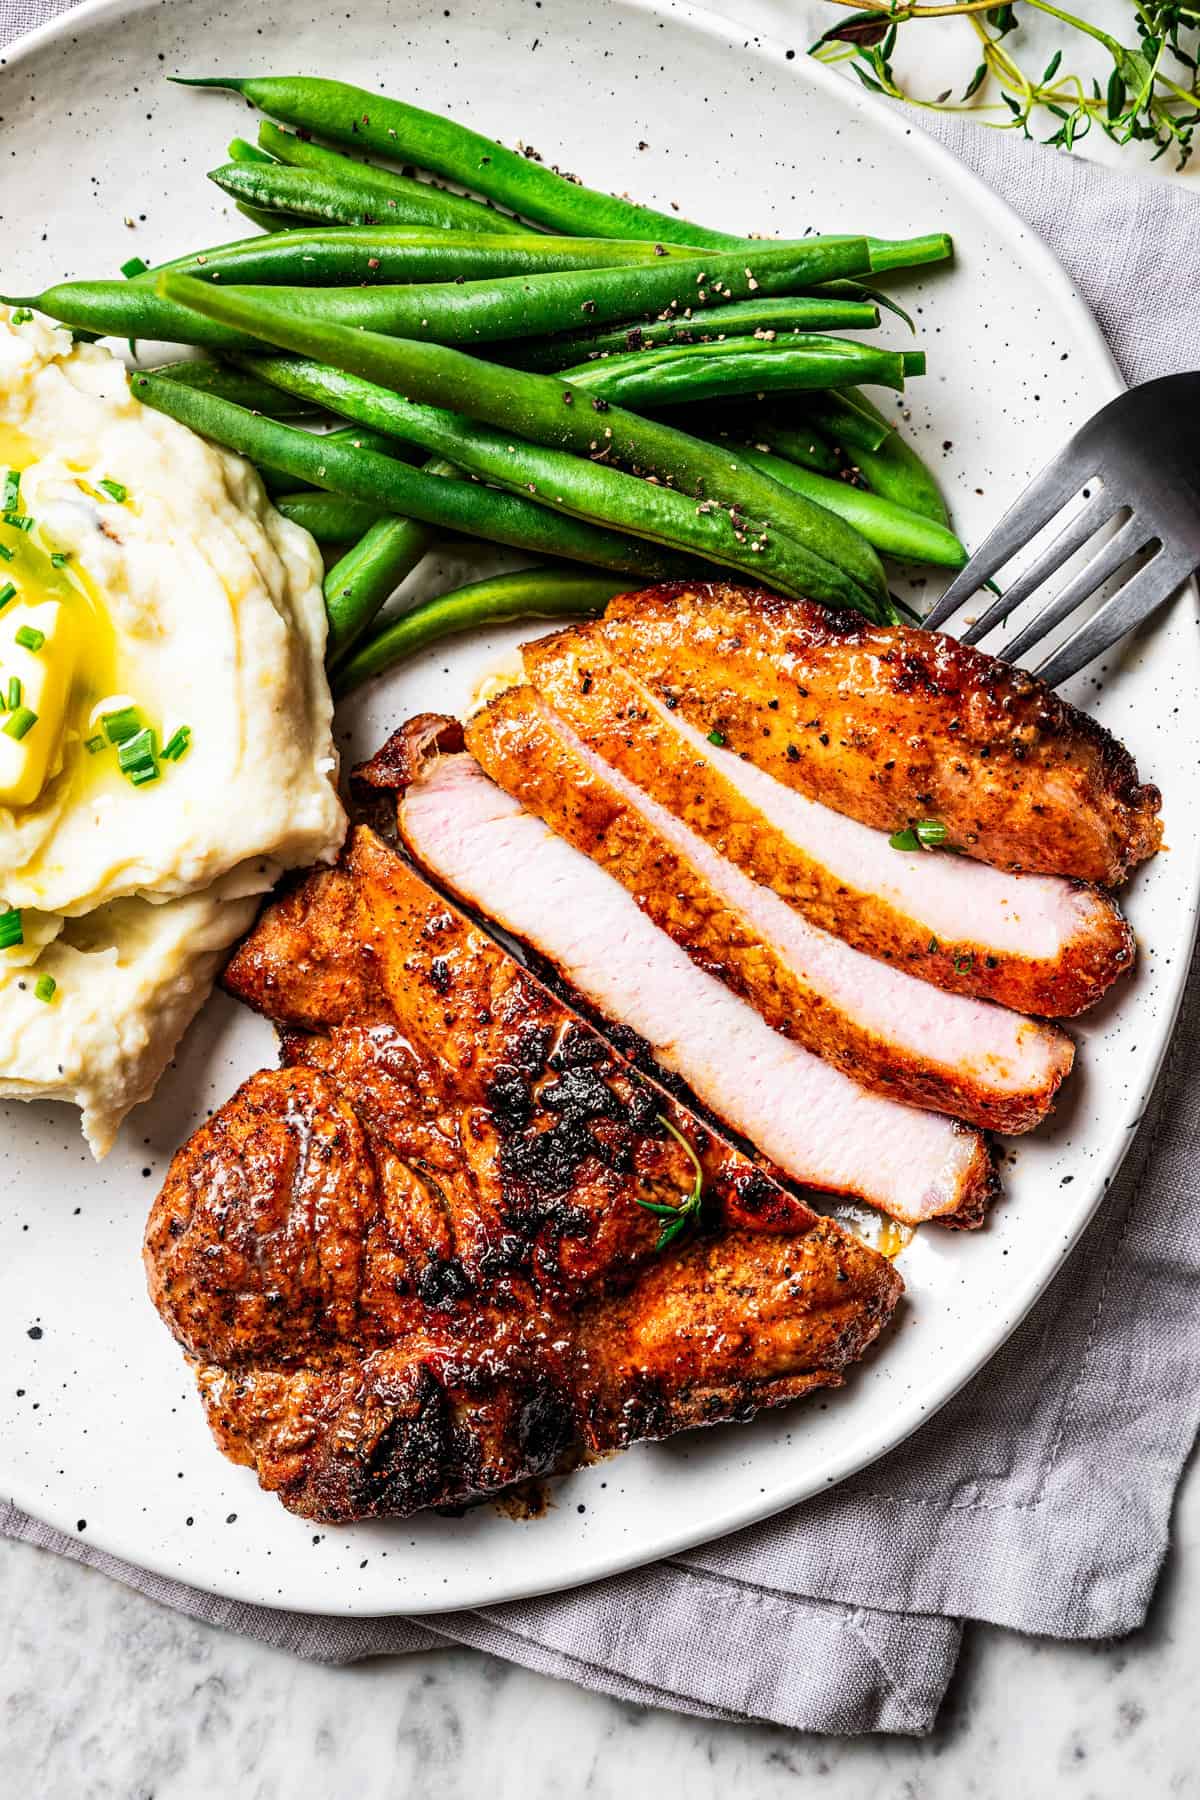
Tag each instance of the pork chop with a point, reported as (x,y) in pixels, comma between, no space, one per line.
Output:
(813,1121)
(1039,944)
(891,725)
(425,1258)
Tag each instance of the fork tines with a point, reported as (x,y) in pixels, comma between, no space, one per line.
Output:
(1137,466)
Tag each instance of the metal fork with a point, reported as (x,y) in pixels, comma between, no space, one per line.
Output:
(1140,455)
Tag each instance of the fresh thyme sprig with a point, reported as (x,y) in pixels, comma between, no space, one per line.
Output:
(686,1212)
(1152,94)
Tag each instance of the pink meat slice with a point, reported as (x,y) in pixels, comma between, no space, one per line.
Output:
(879,1025)
(1039,944)
(820,1127)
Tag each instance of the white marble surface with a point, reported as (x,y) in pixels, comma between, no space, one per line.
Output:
(104,1694)
(107,1696)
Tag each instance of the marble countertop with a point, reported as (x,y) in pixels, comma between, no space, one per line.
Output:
(103,1693)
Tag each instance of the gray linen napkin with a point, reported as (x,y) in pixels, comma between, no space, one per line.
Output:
(1040,1498)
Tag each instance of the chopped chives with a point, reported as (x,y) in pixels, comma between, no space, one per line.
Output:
(59,559)
(7,552)
(11,493)
(93,744)
(45,987)
(135,266)
(140,748)
(176,744)
(14,692)
(22,315)
(716,737)
(926,834)
(12,931)
(116,490)
(18,521)
(124,723)
(7,592)
(137,757)
(20,722)
(29,637)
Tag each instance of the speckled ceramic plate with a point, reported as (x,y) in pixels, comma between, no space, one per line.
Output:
(100,1430)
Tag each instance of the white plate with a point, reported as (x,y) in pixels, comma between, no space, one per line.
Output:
(98,1418)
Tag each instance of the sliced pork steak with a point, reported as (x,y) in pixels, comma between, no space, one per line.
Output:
(893,725)
(416,1263)
(816,1124)
(1039,944)
(895,1035)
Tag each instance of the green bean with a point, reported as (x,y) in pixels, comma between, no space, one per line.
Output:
(895,470)
(866,292)
(330,518)
(835,563)
(368,198)
(509,306)
(239,150)
(279,481)
(382,481)
(681,372)
(301,153)
(521,183)
(365,121)
(528,594)
(237,385)
(775,317)
(334,256)
(129,309)
(567,483)
(359,584)
(267,221)
(842,418)
(737,422)
(362,438)
(798,443)
(891,528)
(909,253)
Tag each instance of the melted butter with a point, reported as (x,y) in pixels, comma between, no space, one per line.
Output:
(17,448)
(88,632)
(888,1236)
(893,1238)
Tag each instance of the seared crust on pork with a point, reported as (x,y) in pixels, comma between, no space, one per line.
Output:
(821,1126)
(1038,944)
(415,1264)
(876,1024)
(893,725)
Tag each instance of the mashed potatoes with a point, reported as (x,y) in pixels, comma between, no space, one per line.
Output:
(165,745)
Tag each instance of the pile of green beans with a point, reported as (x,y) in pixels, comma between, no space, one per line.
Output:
(829,560)
(592,380)
(395,488)
(581,487)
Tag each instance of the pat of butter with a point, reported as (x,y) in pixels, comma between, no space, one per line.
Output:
(45,675)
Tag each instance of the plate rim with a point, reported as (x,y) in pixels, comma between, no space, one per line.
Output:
(869,1445)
